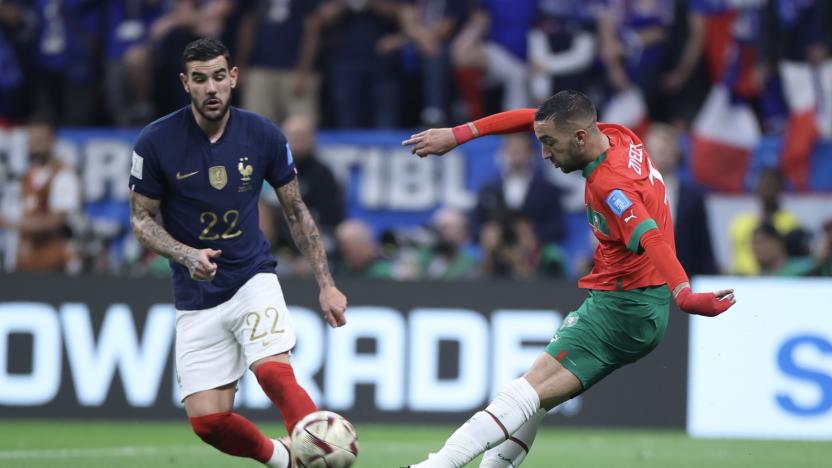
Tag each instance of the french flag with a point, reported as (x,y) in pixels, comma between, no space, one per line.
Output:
(724,135)
(809,117)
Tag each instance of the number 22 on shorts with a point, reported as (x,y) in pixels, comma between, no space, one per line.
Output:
(257,318)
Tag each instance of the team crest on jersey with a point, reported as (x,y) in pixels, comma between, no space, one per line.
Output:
(569,321)
(217,177)
(245,174)
(597,221)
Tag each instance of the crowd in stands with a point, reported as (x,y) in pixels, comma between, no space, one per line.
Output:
(399,63)
(713,75)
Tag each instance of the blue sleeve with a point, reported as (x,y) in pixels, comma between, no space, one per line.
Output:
(280,168)
(145,174)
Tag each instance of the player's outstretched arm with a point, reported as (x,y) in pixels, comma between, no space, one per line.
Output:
(439,141)
(664,260)
(154,237)
(308,239)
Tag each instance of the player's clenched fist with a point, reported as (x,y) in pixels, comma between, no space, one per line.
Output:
(333,306)
(436,141)
(200,265)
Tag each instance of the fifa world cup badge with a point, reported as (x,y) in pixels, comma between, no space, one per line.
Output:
(218,177)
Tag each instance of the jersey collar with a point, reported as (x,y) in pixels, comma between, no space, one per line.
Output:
(197,129)
(591,166)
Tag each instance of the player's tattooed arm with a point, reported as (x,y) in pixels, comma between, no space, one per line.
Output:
(304,231)
(153,236)
(308,239)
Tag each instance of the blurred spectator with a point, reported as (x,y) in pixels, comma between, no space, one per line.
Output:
(691,50)
(453,255)
(795,44)
(687,203)
(129,61)
(634,39)
(67,47)
(510,248)
(769,189)
(16,25)
(359,252)
(200,18)
(361,41)
(770,253)
(491,51)
(562,48)
(521,188)
(318,187)
(321,192)
(684,84)
(50,197)
(277,84)
(430,24)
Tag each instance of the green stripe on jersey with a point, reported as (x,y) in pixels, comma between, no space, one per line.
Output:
(641,228)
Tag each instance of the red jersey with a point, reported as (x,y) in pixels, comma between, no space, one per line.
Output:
(625,197)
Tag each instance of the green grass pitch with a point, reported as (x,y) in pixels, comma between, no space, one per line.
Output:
(37,444)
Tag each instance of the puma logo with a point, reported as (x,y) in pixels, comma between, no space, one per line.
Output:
(185,176)
(632,215)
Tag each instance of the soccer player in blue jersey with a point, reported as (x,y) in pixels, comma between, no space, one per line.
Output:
(202,167)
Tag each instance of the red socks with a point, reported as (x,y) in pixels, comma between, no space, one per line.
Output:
(278,381)
(233,434)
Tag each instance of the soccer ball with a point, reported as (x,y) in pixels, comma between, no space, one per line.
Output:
(324,439)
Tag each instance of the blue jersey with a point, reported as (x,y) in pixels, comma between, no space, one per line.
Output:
(209,194)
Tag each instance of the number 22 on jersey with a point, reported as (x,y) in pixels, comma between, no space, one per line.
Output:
(209,219)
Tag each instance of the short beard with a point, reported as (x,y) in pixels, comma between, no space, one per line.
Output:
(201,111)
(569,166)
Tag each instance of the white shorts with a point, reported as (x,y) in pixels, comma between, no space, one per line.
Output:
(215,346)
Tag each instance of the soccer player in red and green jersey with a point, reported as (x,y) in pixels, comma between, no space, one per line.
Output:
(634,276)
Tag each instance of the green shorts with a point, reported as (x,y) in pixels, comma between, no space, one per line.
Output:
(610,329)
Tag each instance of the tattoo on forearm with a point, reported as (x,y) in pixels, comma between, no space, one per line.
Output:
(151,234)
(305,232)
